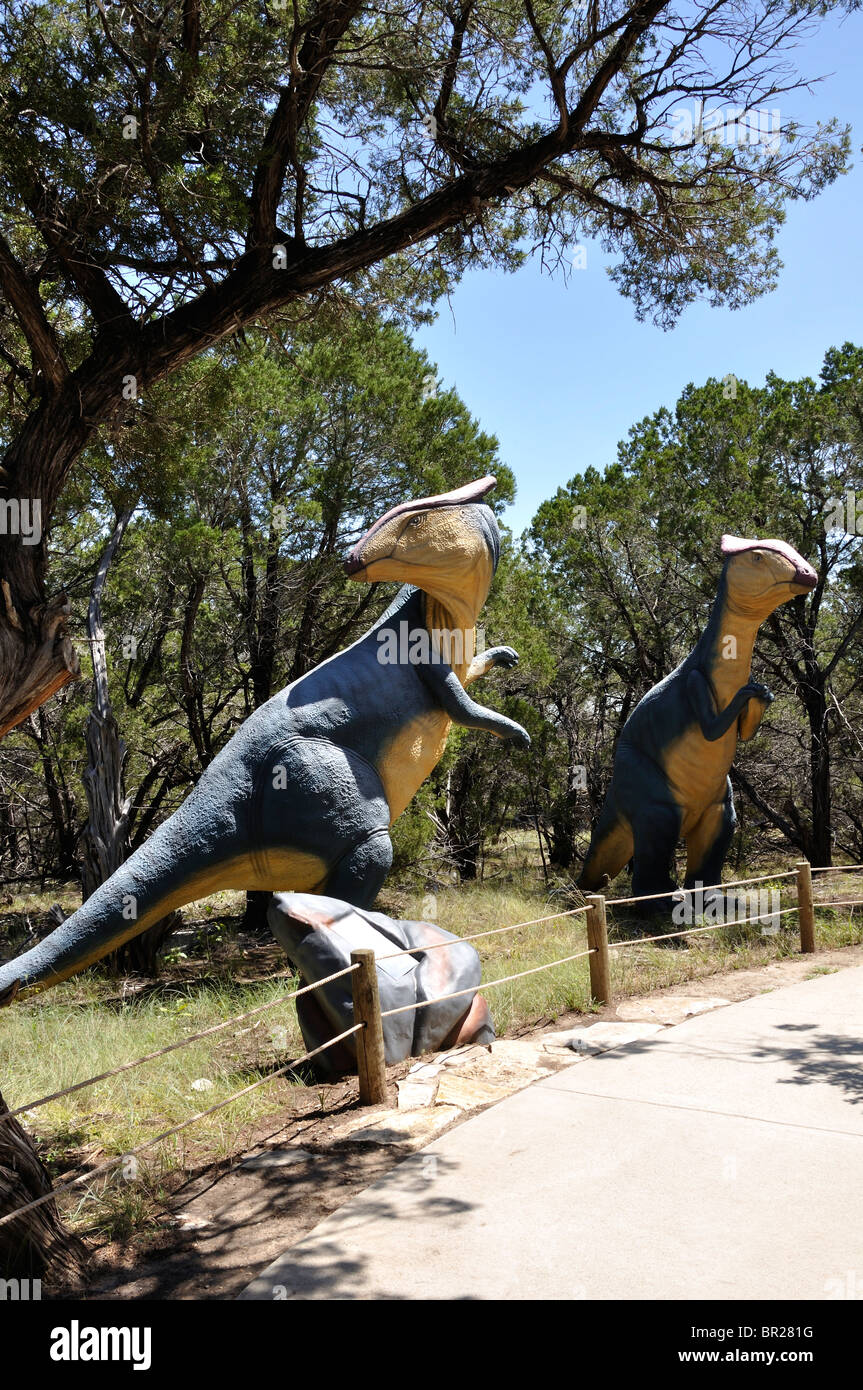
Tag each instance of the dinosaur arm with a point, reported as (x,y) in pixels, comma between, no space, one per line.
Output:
(712,724)
(751,717)
(484,661)
(451,695)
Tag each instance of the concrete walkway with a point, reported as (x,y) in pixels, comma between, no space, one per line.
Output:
(721,1158)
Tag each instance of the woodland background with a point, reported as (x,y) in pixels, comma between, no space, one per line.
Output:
(225,515)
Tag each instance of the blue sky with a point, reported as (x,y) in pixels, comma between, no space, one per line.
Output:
(559,371)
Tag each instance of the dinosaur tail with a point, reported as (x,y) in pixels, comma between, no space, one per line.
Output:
(177,864)
(611,847)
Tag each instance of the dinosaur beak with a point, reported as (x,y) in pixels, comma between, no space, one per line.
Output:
(805,578)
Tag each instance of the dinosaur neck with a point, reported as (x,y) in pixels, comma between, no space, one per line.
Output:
(453,605)
(727,645)
(441,617)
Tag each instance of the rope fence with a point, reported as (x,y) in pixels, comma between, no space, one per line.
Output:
(693,931)
(837,868)
(494,931)
(487,984)
(847,902)
(184,1124)
(705,888)
(172,1047)
(368,1024)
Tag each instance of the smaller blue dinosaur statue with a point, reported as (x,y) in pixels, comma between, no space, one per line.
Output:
(670,779)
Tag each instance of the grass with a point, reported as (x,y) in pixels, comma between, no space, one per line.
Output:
(83,1029)
(89,1025)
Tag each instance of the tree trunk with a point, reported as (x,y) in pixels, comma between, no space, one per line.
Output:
(821,848)
(562,839)
(64,853)
(105,837)
(107,828)
(37,657)
(463,836)
(255,915)
(38,1241)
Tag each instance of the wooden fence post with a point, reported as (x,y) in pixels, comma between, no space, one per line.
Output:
(805,909)
(371,1062)
(597,940)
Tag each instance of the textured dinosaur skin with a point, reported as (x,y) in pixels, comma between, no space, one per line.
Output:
(319,933)
(670,779)
(304,794)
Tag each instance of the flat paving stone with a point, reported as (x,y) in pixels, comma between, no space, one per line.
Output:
(600,1037)
(673,1008)
(416,1094)
(413,1128)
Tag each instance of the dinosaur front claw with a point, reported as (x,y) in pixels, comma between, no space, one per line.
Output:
(760,692)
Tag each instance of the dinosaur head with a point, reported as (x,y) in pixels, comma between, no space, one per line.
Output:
(762,575)
(448,546)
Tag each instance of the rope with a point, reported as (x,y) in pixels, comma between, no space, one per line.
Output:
(487,984)
(202,1114)
(172,1047)
(706,888)
(836,868)
(691,931)
(849,902)
(495,931)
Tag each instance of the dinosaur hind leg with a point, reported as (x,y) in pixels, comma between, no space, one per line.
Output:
(656,831)
(356,878)
(610,849)
(359,875)
(708,842)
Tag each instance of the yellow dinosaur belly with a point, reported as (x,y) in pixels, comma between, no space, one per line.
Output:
(409,758)
(271,870)
(697,770)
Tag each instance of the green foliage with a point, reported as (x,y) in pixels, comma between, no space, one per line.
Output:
(157,145)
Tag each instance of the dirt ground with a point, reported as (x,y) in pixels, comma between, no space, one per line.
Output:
(225,1222)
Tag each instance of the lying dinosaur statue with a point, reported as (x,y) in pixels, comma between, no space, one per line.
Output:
(319,934)
(670,779)
(304,794)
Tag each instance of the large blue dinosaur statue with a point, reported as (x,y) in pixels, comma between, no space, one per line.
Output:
(319,933)
(670,779)
(304,794)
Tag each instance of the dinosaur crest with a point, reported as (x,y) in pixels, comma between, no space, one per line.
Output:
(736,545)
